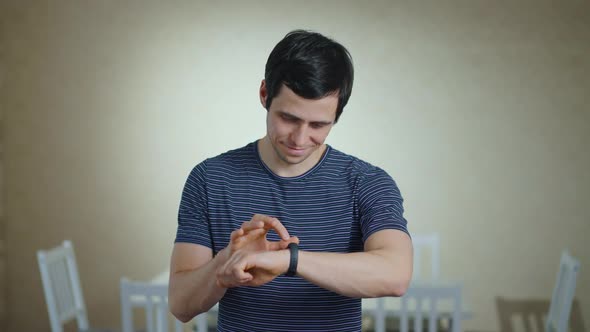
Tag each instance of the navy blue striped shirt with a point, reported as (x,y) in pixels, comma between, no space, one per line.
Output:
(333,207)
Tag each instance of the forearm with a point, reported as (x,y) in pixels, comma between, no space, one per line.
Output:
(364,274)
(195,291)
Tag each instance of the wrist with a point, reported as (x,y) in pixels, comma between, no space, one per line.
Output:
(222,256)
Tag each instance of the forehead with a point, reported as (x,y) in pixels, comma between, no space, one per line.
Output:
(323,109)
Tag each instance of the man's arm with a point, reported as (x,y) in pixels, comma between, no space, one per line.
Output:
(383,269)
(193,287)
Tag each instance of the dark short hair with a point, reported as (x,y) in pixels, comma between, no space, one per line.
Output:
(311,65)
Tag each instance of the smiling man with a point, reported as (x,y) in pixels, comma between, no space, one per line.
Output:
(339,231)
(296,131)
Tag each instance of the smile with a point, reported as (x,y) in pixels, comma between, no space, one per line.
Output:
(295,151)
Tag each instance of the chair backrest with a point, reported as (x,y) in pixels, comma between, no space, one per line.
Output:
(61,285)
(563,294)
(423,243)
(153,298)
(426,302)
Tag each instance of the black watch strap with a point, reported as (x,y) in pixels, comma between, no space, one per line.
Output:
(294,250)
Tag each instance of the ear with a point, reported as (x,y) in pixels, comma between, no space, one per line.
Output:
(263,93)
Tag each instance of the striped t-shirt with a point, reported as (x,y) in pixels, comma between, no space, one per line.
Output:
(334,207)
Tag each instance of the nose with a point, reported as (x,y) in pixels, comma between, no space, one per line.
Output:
(298,136)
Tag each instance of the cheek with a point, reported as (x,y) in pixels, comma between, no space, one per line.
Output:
(320,136)
(278,128)
(273,129)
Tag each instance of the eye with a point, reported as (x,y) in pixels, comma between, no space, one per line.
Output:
(315,125)
(288,118)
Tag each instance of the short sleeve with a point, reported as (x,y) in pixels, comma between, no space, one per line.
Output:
(193,221)
(380,203)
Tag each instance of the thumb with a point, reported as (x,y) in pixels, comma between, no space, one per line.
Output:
(285,243)
(277,245)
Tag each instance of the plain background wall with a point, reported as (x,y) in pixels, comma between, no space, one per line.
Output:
(478,109)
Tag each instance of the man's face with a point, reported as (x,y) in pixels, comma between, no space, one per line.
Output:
(297,127)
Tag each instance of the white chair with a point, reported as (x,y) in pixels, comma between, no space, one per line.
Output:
(201,321)
(425,246)
(425,301)
(563,294)
(61,285)
(153,298)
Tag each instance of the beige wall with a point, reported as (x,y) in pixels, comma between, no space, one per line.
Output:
(480,111)
(3,283)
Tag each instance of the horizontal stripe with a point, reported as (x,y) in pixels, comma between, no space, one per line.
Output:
(334,207)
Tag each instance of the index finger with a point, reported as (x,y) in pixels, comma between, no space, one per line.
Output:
(272,223)
(251,225)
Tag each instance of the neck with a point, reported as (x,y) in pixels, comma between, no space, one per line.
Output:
(282,168)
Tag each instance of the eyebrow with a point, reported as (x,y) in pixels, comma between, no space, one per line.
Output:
(325,123)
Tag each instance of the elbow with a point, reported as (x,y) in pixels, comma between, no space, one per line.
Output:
(180,310)
(181,317)
(182,314)
(397,287)
(177,311)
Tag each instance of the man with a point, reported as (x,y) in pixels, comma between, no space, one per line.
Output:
(338,228)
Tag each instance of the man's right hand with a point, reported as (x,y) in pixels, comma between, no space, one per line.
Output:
(251,239)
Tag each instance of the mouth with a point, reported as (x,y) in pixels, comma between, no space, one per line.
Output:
(295,151)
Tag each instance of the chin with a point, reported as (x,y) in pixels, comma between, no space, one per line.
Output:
(293,160)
